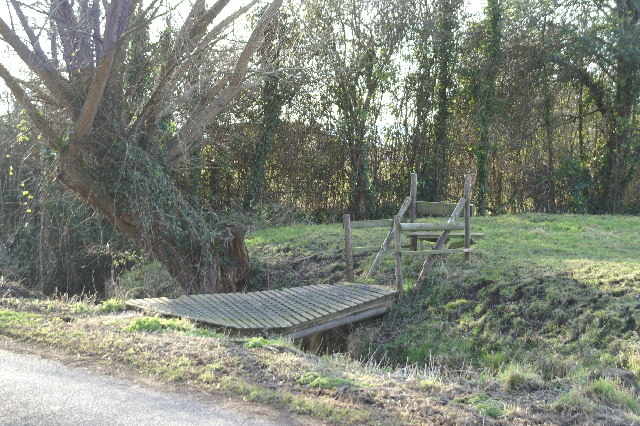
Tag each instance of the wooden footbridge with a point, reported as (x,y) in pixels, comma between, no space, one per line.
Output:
(294,312)
(302,311)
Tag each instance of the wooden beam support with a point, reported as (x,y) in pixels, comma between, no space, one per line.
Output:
(448,226)
(385,245)
(375,312)
(398,258)
(366,224)
(433,252)
(364,249)
(413,193)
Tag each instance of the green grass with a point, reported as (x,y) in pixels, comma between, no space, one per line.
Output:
(79,308)
(612,393)
(557,292)
(600,394)
(255,342)
(316,380)
(111,305)
(151,324)
(484,404)
(519,377)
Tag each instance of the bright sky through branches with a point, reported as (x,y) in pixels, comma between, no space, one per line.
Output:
(177,10)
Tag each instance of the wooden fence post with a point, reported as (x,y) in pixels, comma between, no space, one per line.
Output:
(467,215)
(348,248)
(413,193)
(398,258)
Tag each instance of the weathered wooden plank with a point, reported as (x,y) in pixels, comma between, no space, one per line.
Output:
(365,224)
(375,294)
(332,298)
(274,298)
(373,289)
(305,303)
(411,227)
(225,311)
(274,316)
(212,314)
(325,310)
(343,313)
(352,295)
(277,314)
(323,293)
(295,309)
(198,304)
(429,208)
(376,288)
(437,234)
(247,311)
(364,249)
(255,309)
(433,252)
(367,294)
(338,322)
(268,315)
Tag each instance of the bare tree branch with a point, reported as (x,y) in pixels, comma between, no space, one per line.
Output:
(189,135)
(94,98)
(32,37)
(195,29)
(34,115)
(54,81)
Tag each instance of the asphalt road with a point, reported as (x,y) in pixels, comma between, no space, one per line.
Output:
(36,391)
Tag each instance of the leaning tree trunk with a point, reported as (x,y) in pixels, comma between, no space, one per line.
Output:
(114,149)
(201,254)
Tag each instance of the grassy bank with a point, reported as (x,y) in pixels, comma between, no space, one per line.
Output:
(549,301)
(540,327)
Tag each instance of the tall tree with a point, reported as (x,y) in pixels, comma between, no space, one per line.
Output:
(483,95)
(125,151)
(357,41)
(434,166)
(271,101)
(606,61)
